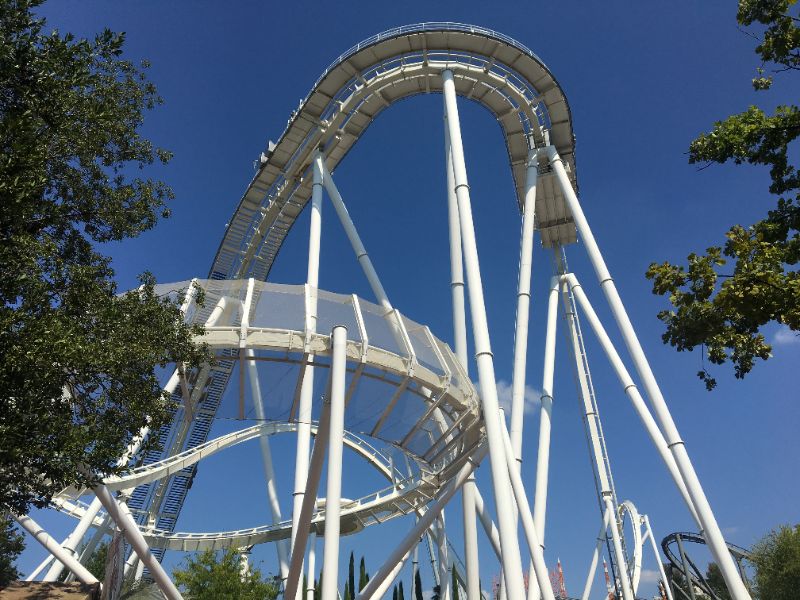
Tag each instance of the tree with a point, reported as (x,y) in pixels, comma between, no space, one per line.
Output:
(96,563)
(720,308)
(400,593)
(453,583)
(716,582)
(417,586)
(776,558)
(351,576)
(12,543)
(210,576)
(78,362)
(363,576)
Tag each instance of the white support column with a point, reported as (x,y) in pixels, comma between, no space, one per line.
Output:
(355,240)
(657,556)
(512,564)
(471,560)
(523,307)
(631,390)
(52,546)
(711,531)
(275,513)
(492,534)
(412,537)
(312,565)
(130,530)
(601,539)
(545,418)
(333,495)
(307,386)
(294,582)
(534,543)
(444,559)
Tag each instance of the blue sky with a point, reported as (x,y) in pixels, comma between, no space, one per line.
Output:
(642,79)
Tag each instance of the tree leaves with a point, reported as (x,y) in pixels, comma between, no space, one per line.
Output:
(78,361)
(723,312)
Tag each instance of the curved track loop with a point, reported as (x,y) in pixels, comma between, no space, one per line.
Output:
(403,496)
(492,69)
(695,574)
(634,561)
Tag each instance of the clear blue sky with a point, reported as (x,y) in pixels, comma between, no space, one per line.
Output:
(642,79)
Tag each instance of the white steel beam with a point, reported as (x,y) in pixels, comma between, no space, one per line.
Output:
(54,548)
(471,558)
(711,531)
(657,555)
(412,537)
(601,539)
(333,495)
(523,308)
(307,385)
(512,564)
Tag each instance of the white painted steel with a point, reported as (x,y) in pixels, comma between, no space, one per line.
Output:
(601,539)
(74,539)
(471,557)
(710,528)
(535,544)
(523,307)
(489,527)
(312,565)
(333,495)
(635,569)
(307,373)
(130,530)
(631,390)
(275,514)
(423,523)
(512,565)
(657,556)
(52,546)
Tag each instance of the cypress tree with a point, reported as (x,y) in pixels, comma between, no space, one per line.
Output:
(454,584)
(363,576)
(351,577)
(417,586)
(400,594)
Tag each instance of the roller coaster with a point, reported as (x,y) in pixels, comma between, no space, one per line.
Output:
(367,379)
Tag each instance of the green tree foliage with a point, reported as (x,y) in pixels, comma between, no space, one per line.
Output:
(776,558)
(394,593)
(12,543)
(78,362)
(363,576)
(211,576)
(96,563)
(351,576)
(716,582)
(453,583)
(417,586)
(721,299)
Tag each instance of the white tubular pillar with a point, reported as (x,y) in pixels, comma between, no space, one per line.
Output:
(387,581)
(266,455)
(657,556)
(74,539)
(523,307)
(42,566)
(133,535)
(424,522)
(711,531)
(294,581)
(545,417)
(312,565)
(444,560)
(601,538)
(488,525)
(543,458)
(631,390)
(471,561)
(355,240)
(534,543)
(333,495)
(512,564)
(305,407)
(54,548)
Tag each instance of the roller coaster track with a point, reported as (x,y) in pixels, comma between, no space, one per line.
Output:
(691,571)
(489,68)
